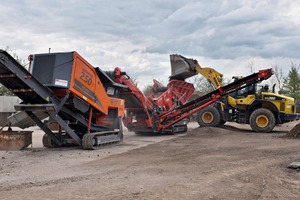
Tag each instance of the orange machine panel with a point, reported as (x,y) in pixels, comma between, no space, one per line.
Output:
(86,84)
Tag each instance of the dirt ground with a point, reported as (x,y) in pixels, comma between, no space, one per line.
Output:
(231,162)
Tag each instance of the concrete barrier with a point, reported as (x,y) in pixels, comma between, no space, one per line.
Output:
(7,104)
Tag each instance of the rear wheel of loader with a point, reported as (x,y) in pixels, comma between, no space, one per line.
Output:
(209,116)
(262,120)
(48,143)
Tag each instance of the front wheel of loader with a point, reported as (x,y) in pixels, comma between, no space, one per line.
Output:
(209,116)
(262,120)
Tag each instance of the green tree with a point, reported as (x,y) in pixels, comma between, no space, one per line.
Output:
(3,90)
(291,84)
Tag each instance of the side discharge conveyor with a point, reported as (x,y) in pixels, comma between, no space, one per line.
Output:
(79,100)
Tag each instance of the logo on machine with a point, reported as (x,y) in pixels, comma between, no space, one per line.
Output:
(273,98)
(86,77)
(270,98)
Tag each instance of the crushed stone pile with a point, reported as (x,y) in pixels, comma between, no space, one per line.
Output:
(295,132)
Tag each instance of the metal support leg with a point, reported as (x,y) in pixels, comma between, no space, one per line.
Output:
(65,126)
(44,127)
(62,102)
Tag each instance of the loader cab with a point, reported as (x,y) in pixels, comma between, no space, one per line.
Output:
(244,91)
(253,89)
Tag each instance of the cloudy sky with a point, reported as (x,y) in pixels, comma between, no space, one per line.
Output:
(138,36)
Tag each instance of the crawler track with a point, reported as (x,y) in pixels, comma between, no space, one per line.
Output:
(93,141)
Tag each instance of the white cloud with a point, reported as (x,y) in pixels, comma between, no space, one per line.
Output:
(138,36)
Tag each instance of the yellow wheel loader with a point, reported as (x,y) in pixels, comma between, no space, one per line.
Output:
(250,104)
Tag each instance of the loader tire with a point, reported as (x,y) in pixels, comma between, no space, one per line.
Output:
(209,116)
(262,120)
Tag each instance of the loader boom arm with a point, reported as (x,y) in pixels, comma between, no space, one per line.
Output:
(211,75)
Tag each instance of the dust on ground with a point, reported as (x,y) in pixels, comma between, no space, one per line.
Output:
(230,162)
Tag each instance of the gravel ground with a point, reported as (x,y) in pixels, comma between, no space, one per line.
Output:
(230,162)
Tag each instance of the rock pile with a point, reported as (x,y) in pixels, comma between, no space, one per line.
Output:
(295,132)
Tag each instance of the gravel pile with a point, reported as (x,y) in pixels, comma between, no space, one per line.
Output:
(295,132)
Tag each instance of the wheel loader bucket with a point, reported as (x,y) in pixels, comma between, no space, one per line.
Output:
(15,140)
(180,68)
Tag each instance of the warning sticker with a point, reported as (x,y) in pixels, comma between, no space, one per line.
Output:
(61,82)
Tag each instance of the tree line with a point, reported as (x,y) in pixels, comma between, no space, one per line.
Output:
(291,85)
